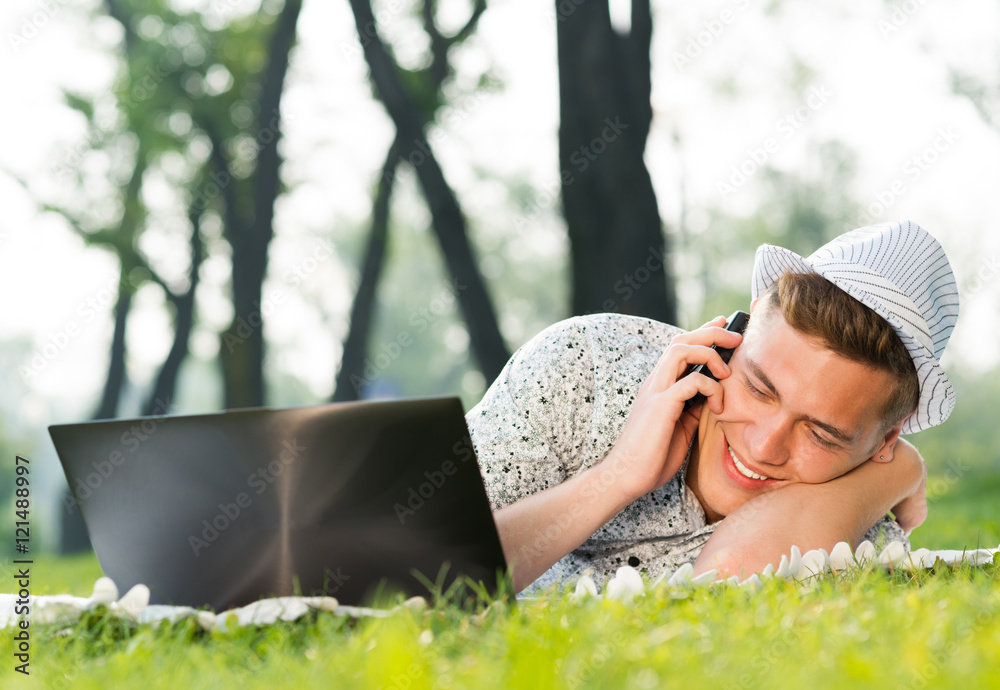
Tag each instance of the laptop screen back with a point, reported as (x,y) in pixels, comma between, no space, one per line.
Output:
(223,509)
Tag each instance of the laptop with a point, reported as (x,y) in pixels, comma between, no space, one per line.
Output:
(350,500)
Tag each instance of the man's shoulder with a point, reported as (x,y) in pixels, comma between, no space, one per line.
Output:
(611,322)
(608,330)
(620,351)
(602,358)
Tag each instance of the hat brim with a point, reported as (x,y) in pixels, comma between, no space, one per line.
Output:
(937,396)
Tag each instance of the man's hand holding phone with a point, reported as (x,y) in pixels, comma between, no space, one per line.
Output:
(660,426)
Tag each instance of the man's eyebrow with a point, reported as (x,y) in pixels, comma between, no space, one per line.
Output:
(759,373)
(837,433)
(832,430)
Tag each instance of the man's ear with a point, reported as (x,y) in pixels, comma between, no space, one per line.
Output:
(885,449)
(753,304)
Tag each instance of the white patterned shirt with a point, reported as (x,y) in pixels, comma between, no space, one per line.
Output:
(556,409)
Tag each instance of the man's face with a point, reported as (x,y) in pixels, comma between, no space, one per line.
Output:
(794,411)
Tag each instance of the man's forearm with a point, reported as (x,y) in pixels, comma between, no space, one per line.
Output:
(809,516)
(538,530)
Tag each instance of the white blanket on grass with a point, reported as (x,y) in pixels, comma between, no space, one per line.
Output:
(66,609)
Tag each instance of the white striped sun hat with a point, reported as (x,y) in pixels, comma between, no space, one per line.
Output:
(901,272)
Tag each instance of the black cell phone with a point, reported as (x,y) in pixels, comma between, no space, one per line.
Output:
(737,321)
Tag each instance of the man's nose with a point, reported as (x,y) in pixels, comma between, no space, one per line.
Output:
(768,439)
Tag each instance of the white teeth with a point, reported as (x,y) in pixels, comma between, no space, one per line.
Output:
(744,470)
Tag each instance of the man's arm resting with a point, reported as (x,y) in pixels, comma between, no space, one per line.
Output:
(811,516)
(540,529)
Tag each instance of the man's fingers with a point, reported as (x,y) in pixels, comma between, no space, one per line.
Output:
(712,390)
(704,337)
(678,358)
(670,402)
(710,335)
(695,354)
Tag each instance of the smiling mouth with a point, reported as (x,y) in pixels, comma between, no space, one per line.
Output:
(743,469)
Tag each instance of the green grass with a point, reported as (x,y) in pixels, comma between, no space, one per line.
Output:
(878,629)
(962,512)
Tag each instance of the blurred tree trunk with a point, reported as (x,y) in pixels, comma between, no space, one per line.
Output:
(157,87)
(351,377)
(447,219)
(162,398)
(618,249)
(108,407)
(249,234)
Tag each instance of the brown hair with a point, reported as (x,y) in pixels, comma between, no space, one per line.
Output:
(814,306)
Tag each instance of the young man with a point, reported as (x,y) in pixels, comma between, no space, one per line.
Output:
(590,460)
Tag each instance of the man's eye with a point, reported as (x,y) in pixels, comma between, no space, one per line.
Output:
(753,389)
(823,442)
